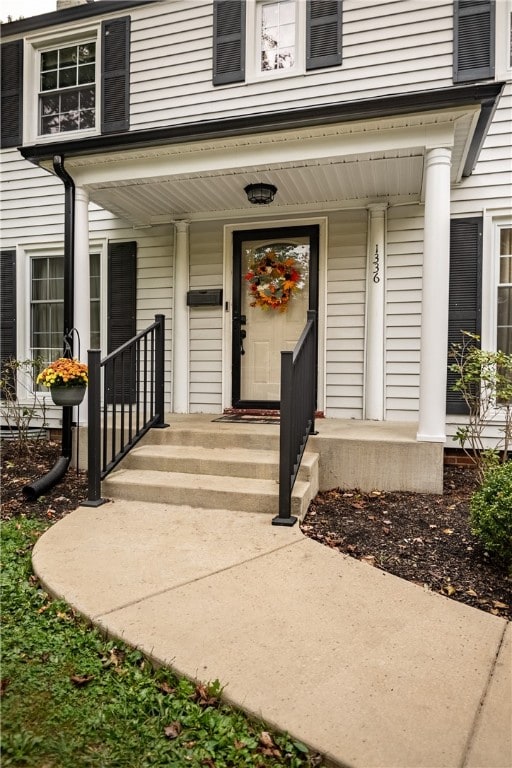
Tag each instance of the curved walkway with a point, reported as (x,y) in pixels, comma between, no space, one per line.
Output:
(368,669)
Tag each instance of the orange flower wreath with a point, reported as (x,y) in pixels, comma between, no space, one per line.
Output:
(273,279)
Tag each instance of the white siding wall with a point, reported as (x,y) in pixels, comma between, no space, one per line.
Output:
(403,312)
(346,288)
(206,271)
(389,46)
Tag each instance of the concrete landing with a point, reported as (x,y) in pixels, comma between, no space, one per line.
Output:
(367,669)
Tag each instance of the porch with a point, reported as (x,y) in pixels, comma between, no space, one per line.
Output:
(203,462)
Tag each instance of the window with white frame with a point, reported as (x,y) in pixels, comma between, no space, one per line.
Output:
(277,38)
(504,294)
(67,88)
(47,306)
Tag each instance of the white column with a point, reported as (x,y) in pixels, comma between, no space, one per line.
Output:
(82,319)
(375,313)
(434,315)
(180,331)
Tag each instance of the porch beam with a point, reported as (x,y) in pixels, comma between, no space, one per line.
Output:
(180,328)
(434,316)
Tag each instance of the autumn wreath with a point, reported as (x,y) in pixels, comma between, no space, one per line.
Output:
(273,279)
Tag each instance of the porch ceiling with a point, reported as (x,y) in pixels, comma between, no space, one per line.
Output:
(314,168)
(313,185)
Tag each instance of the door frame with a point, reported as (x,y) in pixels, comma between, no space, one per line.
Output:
(239,235)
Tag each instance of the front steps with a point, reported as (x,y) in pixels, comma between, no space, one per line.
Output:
(213,465)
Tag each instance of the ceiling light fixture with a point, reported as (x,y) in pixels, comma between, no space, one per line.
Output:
(260,194)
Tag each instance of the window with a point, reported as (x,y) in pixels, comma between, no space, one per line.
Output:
(277,35)
(47,306)
(277,38)
(504,297)
(67,93)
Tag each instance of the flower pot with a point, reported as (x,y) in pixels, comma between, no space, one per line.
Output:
(67,396)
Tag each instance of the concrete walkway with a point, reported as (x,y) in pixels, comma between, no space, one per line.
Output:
(367,669)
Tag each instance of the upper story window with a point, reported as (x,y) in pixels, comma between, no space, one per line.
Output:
(504,314)
(67,96)
(277,42)
(254,39)
(67,80)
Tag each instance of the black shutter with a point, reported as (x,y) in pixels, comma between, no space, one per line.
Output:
(12,94)
(7,310)
(228,41)
(465,301)
(473,40)
(115,75)
(323,33)
(121,318)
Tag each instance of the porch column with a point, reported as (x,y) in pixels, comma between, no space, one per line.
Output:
(375,313)
(434,308)
(82,293)
(180,330)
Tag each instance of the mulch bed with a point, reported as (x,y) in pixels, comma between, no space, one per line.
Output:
(423,538)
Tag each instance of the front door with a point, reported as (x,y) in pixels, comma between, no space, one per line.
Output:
(275,282)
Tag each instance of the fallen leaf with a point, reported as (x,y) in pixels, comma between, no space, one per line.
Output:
(471,592)
(369,559)
(166,688)
(81,680)
(449,590)
(173,730)
(448,531)
(266,740)
(4,682)
(498,604)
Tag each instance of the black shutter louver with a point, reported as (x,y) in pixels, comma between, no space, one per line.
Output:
(473,40)
(323,33)
(121,318)
(115,75)
(228,41)
(465,298)
(11,94)
(7,311)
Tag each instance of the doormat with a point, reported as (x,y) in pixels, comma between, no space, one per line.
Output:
(248,418)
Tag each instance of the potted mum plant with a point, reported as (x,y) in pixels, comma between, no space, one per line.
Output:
(67,379)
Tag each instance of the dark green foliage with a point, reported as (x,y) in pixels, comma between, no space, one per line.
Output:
(491,511)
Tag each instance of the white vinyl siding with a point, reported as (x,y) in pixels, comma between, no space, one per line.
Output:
(403,312)
(410,49)
(206,265)
(344,333)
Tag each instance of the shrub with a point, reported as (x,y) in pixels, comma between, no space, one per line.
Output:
(491,511)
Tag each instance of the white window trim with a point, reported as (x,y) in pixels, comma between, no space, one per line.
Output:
(503,39)
(34,45)
(24,255)
(253,72)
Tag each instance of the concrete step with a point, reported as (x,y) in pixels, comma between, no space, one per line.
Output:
(227,462)
(217,435)
(208,491)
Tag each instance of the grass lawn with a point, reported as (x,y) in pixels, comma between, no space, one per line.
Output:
(72,698)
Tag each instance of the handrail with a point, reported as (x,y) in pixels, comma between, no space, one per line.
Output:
(126,399)
(297,417)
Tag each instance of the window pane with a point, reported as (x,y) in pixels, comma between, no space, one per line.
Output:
(50,125)
(87,119)
(505,340)
(87,53)
(48,81)
(68,56)
(67,77)
(49,105)
(69,101)
(506,241)
(86,74)
(49,60)
(87,98)
(506,269)
(504,306)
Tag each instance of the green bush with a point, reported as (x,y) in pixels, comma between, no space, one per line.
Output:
(491,511)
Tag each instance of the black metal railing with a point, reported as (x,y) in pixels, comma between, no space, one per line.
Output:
(297,419)
(126,399)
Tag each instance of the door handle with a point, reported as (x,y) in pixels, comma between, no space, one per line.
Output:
(243,334)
